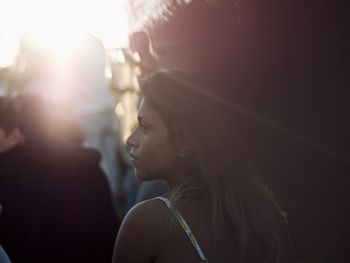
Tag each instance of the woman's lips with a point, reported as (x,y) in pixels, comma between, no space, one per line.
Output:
(133,158)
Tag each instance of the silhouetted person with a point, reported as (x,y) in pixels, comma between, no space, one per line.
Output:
(57,204)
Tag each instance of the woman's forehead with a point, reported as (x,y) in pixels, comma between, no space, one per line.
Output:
(148,112)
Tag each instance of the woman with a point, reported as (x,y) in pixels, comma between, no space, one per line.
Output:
(216,210)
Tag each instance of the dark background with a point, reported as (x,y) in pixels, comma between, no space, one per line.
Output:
(285,66)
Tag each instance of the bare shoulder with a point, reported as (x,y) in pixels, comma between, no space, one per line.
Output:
(141,234)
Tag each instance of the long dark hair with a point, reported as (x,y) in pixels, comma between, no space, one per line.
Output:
(217,170)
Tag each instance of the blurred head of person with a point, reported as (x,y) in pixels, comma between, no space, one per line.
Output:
(25,118)
(139,42)
(11,128)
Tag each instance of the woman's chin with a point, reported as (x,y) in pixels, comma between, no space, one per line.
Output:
(143,176)
(140,175)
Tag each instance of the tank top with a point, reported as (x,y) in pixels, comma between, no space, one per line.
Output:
(185,227)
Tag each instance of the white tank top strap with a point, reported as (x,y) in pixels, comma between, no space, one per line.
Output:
(185,227)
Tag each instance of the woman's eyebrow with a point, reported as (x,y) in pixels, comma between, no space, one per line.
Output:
(145,121)
(142,119)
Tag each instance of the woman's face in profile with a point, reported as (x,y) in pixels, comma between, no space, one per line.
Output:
(152,150)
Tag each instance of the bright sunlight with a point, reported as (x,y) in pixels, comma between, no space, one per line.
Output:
(58,25)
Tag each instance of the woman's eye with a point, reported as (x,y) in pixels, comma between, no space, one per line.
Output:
(142,126)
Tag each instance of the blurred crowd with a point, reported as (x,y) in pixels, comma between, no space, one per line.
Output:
(66,178)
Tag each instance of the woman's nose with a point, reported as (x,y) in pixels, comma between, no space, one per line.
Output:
(131,141)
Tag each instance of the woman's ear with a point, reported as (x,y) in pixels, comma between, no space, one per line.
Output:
(183,143)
